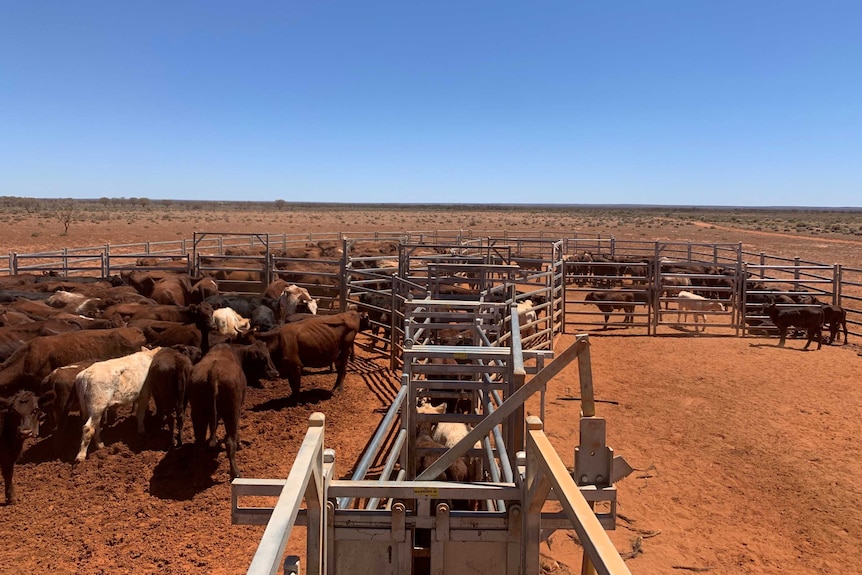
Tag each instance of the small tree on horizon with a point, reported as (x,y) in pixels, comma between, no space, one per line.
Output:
(279,204)
(67,213)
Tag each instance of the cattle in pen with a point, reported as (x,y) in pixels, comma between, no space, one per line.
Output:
(809,319)
(610,301)
(117,381)
(697,305)
(19,420)
(317,341)
(216,391)
(836,317)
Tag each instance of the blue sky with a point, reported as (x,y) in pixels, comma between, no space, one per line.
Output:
(666,102)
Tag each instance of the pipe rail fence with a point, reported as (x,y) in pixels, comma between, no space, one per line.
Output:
(542,270)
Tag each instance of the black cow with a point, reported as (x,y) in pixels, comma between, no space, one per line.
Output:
(167,380)
(377,306)
(244,305)
(19,419)
(836,317)
(808,318)
(262,319)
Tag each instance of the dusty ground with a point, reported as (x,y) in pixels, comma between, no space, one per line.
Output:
(746,454)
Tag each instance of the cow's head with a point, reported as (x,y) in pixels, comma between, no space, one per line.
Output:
(364,321)
(203,314)
(257,363)
(23,408)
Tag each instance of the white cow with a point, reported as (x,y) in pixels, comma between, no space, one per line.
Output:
(527,317)
(61,298)
(697,304)
(290,299)
(449,433)
(75,302)
(111,382)
(229,322)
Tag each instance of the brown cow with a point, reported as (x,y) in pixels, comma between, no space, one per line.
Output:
(167,381)
(14,337)
(26,368)
(182,314)
(216,390)
(173,290)
(193,331)
(317,341)
(202,289)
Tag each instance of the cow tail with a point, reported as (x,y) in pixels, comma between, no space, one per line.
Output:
(214,412)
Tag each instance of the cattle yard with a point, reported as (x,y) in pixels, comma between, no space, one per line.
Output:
(338,268)
(420,289)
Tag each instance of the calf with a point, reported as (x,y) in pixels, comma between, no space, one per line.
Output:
(107,383)
(607,302)
(19,419)
(216,390)
(377,306)
(167,380)
(836,317)
(808,318)
(698,305)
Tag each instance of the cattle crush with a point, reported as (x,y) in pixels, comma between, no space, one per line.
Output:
(446,307)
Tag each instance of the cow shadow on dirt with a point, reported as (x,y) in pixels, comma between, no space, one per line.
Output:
(184,472)
(62,444)
(312,396)
(813,347)
(41,451)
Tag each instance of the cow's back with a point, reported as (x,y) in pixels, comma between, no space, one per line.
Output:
(43,354)
(318,341)
(114,381)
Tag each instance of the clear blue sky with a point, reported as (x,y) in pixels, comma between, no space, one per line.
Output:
(666,102)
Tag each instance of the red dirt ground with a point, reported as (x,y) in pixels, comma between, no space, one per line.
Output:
(745,454)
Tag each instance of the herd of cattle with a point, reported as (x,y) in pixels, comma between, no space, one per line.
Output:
(88,345)
(629,281)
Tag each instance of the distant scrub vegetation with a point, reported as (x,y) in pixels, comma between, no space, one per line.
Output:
(808,221)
